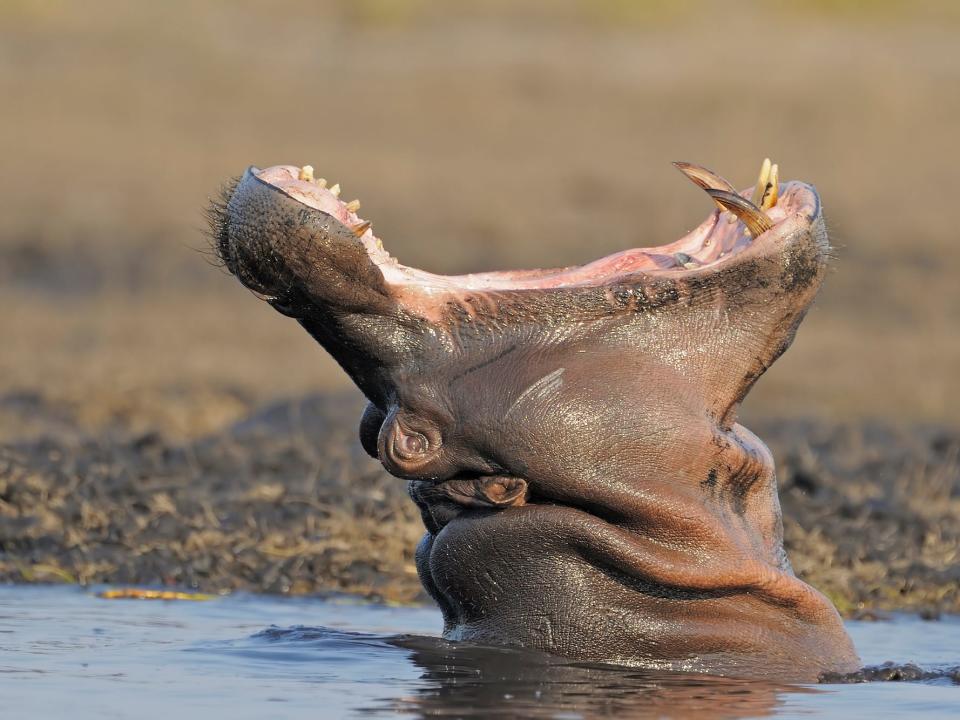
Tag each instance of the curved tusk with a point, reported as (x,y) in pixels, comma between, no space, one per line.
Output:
(748,213)
(704,178)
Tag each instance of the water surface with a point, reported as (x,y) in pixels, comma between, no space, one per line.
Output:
(66,653)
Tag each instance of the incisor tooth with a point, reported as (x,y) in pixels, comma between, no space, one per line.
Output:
(306,173)
(360,228)
(773,188)
(760,188)
(353,205)
(335,189)
(322,182)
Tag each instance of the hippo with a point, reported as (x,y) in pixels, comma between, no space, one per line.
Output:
(570,435)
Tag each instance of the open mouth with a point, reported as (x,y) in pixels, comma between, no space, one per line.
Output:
(741,221)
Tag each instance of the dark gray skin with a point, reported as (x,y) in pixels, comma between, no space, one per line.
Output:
(570,436)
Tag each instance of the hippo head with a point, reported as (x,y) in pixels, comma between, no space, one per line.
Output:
(570,434)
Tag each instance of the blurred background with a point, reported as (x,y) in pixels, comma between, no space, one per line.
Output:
(478,136)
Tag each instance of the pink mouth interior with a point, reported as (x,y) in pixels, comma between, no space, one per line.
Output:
(717,239)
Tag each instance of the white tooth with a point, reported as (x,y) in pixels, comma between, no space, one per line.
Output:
(306,173)
(353,205)
(773,188)
(761,187)
(322,182)
(335,190)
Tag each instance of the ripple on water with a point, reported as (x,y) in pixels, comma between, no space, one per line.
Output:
(65,652)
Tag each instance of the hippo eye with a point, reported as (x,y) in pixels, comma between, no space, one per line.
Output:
(410,445)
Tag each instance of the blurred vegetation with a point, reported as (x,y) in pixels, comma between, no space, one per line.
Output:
(400,13)
(479,136)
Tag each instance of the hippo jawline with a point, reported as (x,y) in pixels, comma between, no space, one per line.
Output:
(715,243)
(570,434)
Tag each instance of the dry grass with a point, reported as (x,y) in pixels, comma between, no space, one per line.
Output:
(258,507)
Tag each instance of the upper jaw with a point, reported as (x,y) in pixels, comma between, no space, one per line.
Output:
(724,236)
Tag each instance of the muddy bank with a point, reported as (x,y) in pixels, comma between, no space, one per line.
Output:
(286,502)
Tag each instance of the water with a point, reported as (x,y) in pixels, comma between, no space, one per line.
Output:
(66,653)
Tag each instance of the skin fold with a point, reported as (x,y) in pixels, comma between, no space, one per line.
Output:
(570,435)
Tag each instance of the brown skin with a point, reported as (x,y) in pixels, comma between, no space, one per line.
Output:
(570,438)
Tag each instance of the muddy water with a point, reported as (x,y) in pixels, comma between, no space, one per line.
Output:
(65,652)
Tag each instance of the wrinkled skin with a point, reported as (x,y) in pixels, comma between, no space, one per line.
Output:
(570,435)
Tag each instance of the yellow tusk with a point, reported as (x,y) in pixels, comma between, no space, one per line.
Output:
(772,194)
(761,187)
(749,214)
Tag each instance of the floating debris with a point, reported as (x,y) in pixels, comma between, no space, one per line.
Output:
(143,594)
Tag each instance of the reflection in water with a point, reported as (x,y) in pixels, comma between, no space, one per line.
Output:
(149,658)
(472,681)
